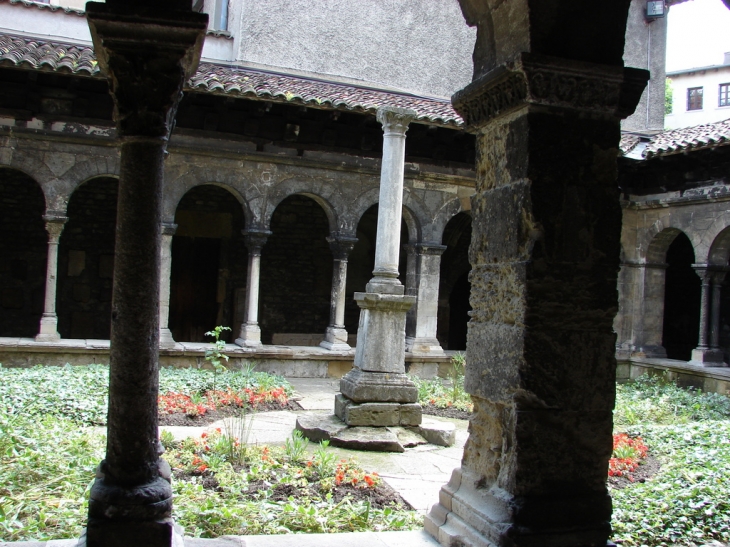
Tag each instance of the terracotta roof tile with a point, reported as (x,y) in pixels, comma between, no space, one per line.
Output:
(689,138)
(628,142)
(50,7)
(23,52)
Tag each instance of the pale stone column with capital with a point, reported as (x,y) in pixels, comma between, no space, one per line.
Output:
(250,334)
(168,231)
(704,354)
(422,320)
(378,376)
(48,331)
(335,337)
(718,276)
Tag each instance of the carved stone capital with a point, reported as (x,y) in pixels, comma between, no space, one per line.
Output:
(433,249)
(540,80)
(395,120)
(54,226)
(168,228)
(255,240)
(147,54)
(341,246)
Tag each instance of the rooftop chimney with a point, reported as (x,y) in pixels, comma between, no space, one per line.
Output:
(727,58)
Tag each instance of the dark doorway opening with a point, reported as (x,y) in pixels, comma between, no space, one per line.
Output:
(681,301)
(454,286)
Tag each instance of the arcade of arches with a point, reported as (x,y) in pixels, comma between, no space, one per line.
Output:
(208,258)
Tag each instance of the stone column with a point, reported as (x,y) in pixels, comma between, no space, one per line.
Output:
(147,51)
(545,256)
(48,331)
(703,354)
(335,337)
(718,277)
(250,335)
(168,231)
(421,329)
(378,376)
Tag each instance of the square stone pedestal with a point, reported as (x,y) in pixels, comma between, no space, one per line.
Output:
(377,414)
(711,357)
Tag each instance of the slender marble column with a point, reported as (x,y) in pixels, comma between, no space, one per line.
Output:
(335,337)
(168,231)
(250,335)
(379,366)
(49,322)
(421,336)
(136,43)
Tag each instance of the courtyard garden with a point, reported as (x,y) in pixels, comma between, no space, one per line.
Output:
(669,475)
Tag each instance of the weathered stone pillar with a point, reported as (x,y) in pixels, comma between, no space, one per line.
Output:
(250,335)
(48,331)
(703,354)
(378,376)
(146,50)
(335,337)
(422,318)
(545,256)
(168,231)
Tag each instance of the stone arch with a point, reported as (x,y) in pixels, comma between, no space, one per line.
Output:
(444,215)
(86,260)
(24,251)
(660,241)
(60,190)
(717,242)
(176,189)
(414,213)
(209,258)
(322,192)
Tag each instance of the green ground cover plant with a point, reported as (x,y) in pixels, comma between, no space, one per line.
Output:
(687,502)
(80,393)
(48,453)
(446,392)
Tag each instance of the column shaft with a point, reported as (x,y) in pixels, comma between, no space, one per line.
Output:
(168,231)
(717,280)
(708,352)
(48,331)
(335,337)
(250,335)
(422,338)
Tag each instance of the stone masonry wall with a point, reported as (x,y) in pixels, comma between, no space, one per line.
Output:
(23,252)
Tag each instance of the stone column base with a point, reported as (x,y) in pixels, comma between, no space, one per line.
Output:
(423,345)
(471,515)
(335,339)
(250,336)
(110,533)
(710,357)
(377,414)
(48,331)
(166,339)
(379,387)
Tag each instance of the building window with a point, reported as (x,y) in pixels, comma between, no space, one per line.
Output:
(694,98)
(724,95)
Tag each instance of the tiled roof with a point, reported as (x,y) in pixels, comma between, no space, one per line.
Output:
(689,138)
(23,52)
(49,7)
(628,142)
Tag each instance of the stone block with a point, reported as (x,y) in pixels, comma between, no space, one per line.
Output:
(76,263)
(437,432)
(122,533)
(407,437)
(410,414)
(378,439)
(372,414)
(361,386)
(320,427)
